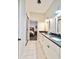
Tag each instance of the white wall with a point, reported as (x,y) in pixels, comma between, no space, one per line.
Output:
(59,26)
(46,25)
(41,26)
(22,27)
(52,25)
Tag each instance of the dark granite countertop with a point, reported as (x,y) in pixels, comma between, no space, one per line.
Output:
(53,38)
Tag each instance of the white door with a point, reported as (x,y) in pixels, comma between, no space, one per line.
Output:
(22,27)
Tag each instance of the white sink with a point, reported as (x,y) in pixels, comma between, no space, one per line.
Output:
(57,39)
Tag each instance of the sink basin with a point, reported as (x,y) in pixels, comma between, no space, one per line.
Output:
(57,39)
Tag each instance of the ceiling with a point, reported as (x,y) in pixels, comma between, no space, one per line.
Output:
(33,6)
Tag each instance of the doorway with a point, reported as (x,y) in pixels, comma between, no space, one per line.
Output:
(33,30)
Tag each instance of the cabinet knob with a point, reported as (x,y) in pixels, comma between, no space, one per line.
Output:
(48,46)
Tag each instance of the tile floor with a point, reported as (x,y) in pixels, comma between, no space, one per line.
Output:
(30,50)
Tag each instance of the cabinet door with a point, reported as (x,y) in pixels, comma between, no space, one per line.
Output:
(47,49)
(51,50)
(54,46)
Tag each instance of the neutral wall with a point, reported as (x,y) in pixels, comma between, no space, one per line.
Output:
(41,26)
(52,26)
(59,27)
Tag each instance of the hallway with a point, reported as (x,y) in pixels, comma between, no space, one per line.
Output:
(30,50)
(39,25)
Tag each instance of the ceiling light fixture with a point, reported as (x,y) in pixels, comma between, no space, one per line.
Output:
(39,1)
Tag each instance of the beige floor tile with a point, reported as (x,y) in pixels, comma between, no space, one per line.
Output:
(30,50)
(29,57)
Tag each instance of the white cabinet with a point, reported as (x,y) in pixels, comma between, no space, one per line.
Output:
(50,49)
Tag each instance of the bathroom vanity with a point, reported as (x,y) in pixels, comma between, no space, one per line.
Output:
(48,46)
